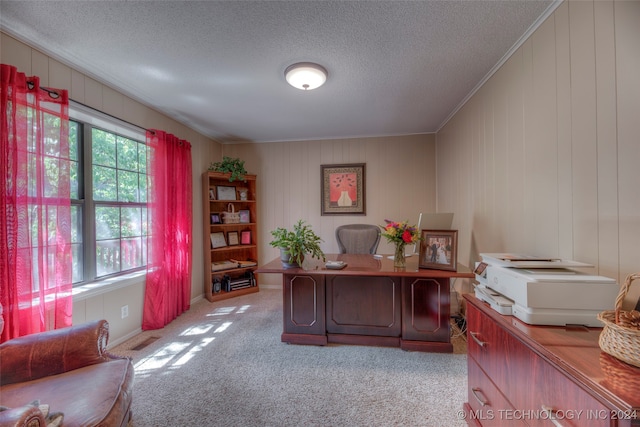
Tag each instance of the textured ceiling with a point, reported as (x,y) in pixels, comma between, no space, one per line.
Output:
(395,67)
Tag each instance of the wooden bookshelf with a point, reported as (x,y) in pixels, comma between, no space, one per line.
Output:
(216,185)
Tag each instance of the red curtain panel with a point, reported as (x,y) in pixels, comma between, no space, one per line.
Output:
(35,213)
(168,282)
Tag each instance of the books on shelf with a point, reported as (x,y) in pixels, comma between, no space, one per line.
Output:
(247,263)
(223,265)
(231,263)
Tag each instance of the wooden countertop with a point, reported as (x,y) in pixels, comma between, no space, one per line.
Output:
(359,265)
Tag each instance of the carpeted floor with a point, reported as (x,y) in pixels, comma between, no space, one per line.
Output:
(223,364)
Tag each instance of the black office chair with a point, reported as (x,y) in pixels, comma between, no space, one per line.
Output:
(358,238)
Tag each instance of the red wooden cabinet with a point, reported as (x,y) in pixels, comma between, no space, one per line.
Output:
(521,374)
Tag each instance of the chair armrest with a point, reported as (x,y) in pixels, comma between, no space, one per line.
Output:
(24,416)
(53,352)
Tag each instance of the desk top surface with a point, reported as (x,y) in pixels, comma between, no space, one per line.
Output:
(358,265)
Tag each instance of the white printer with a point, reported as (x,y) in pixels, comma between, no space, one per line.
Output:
(543,291)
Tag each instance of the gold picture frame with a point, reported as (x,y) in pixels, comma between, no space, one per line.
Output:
(343,189)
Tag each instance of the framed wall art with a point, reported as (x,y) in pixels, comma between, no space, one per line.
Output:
(245,237)
(343,189)
(439,250)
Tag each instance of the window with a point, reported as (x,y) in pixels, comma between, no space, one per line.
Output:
(109,212)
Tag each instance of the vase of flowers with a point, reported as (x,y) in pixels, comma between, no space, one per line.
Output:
(400,234)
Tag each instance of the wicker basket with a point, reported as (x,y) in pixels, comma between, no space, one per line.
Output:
(231,216)
(620,377)
(621,338)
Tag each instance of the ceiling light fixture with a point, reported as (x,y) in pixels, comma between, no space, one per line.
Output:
(305,75)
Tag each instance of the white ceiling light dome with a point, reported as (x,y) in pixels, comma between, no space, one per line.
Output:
(306,75)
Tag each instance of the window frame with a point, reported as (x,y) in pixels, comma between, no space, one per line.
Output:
(88,119)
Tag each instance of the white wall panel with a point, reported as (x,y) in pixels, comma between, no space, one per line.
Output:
(572,99)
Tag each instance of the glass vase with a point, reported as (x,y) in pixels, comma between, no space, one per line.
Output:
(399,260)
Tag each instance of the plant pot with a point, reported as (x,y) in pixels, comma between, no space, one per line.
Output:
(286,260)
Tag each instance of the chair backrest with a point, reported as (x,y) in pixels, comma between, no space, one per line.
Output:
(358,238)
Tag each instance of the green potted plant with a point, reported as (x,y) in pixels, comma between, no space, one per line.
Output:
(295,244)
(233,166)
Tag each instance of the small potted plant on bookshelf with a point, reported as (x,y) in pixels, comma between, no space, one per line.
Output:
(295,244)
(233,166)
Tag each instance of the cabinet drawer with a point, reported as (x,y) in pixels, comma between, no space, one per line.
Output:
(486,344)
(487,406)
(554,392)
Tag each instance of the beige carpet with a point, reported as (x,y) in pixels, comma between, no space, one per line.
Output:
(223,364)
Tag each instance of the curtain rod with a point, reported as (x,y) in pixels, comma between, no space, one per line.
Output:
(94,110)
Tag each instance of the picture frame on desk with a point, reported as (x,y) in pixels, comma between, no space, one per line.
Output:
(439,250)
(232,238)
(343,189)
(226,192)
(218,240)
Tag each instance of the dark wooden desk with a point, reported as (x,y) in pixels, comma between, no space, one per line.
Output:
(367,303)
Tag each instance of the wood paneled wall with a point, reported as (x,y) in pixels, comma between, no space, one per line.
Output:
(543,159)
(400,182)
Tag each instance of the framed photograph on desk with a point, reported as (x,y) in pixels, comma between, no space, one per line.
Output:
(439,250)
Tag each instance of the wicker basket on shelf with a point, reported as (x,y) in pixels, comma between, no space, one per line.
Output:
(231,216)
(620,336)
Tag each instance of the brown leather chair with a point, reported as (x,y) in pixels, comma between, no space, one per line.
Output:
(358,238)
(69,370)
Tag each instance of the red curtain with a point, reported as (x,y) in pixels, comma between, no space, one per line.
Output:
(35,213)
(168,286)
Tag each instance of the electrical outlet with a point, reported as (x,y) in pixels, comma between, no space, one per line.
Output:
(124,311)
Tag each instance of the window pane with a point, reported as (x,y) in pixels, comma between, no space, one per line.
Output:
(127,154)
(107,257)
(127,186)
(142,180)
(73,140)
(77,247)
(107,222)
(131,253)
(78,262)
(74,172)
(142,158)
(104,184)
(131,222)
(103,148)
